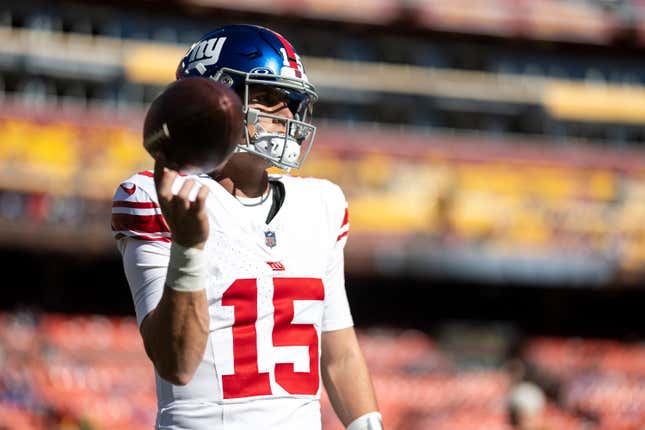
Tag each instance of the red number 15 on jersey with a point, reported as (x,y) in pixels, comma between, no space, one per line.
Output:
(248,380)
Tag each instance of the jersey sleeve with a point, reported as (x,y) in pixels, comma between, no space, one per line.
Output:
(143,238)
(136,213)
(337,313)
(145,264)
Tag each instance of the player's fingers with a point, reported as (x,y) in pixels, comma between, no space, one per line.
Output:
(184,192)
(164,178)
(200,200)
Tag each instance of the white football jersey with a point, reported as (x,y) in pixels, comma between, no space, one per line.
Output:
(272,289)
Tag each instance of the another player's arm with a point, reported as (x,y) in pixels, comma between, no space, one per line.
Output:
(176,331)
(347,380)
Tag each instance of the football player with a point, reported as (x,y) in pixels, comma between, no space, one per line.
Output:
(237,277)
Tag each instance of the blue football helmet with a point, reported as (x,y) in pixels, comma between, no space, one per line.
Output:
(248,59)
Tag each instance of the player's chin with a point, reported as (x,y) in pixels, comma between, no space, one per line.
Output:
(249,158)
(266,164)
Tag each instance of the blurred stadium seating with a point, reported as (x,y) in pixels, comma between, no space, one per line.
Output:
(495,143)
(92,371)
(501,196)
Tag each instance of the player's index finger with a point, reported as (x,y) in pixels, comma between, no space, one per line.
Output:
(200,200)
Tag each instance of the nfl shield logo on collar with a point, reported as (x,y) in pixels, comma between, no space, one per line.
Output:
(269,238)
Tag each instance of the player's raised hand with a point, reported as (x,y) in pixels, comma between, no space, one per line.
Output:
(187,219)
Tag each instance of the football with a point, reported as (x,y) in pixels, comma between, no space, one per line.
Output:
(193,125)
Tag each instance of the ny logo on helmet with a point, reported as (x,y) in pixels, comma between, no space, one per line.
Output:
(205,52)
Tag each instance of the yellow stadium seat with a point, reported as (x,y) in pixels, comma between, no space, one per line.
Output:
(602,185)
(549,182)
(13,135)
(122,155)
(529,228)
(323,166)
(52,145)
(125,150)
(390,212)
(475,214)
(492,178)
(375,170)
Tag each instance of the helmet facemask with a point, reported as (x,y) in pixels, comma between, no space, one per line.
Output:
(287,148)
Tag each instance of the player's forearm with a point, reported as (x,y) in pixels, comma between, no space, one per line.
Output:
(347,379)
(175,334)
(350,390)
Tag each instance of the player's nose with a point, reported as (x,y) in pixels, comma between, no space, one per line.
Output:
(284,112)
(280,125)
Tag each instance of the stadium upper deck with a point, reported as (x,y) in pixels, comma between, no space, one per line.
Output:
(581,21)
(378,71)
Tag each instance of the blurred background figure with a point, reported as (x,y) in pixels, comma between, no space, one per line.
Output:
(526,403)
(492,153)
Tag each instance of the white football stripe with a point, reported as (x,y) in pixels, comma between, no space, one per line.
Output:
(136,211)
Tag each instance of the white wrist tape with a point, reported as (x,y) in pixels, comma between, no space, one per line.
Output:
(369,421)
(186,269)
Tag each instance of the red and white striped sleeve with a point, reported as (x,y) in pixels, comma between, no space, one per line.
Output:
(135,211)
(136,215)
